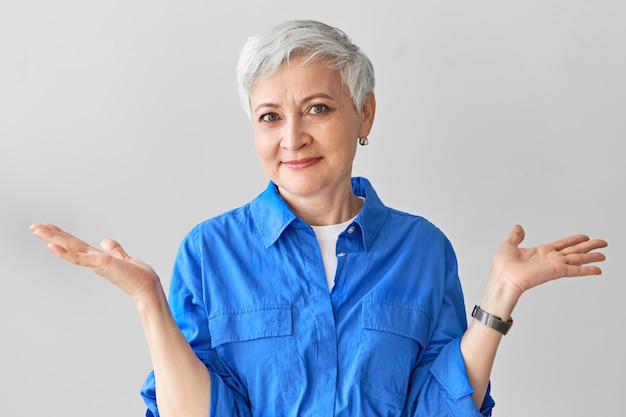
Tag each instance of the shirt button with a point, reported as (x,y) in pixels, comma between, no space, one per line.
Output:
(341,254)
(351,229)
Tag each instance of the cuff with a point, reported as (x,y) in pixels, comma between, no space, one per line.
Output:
(450,372)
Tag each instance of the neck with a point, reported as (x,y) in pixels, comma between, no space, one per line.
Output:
(324,210)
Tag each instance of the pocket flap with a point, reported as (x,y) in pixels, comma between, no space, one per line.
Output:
(255,323)
(400,319)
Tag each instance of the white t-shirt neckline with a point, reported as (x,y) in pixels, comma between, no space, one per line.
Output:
(327,239)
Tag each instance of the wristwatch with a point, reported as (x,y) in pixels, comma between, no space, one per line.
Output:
(492,321)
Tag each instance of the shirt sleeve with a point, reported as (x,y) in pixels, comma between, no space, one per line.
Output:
(187,303)
(446,390)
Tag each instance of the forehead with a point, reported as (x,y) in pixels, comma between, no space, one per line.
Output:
(299,78)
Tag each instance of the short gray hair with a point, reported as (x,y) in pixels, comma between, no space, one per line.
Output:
(261,56)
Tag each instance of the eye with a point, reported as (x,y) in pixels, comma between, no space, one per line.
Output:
(318,108)
(269,117)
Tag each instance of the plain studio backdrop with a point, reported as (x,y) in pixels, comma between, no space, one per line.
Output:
(120,119)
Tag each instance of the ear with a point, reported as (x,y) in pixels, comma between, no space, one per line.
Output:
(367,114)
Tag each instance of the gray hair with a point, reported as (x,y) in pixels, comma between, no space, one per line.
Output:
(261,56)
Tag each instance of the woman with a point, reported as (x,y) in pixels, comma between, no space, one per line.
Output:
(315,298)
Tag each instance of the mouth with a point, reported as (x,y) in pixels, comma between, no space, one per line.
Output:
(301,163)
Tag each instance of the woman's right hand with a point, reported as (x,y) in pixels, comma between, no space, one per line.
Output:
(136,278)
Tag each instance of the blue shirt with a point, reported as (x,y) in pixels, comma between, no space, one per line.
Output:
(250,295)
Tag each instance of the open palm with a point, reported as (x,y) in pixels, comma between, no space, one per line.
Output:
(113,263)
(525,268)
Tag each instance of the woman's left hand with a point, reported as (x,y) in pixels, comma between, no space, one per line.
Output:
(513,271)
(517,269)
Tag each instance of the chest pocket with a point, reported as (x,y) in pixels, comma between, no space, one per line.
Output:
(258,347)
(393,337)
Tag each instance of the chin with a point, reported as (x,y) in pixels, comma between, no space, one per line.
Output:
(302,187)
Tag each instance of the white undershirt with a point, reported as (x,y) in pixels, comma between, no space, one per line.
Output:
(327,239)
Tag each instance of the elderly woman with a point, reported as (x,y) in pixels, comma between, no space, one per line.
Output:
(315,299)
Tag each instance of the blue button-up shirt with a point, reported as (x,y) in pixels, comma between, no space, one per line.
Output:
(250,295)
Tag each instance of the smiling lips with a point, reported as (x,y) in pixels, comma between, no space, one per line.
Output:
(301,163)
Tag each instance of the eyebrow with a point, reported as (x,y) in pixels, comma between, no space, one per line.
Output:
(304,100)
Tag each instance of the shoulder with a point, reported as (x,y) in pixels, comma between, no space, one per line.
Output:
(414,223)
(394,224)
(237,219)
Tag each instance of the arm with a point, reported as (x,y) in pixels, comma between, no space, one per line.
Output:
(515,270)
(183,380)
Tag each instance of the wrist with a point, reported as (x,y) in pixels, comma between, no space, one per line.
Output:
(491,320)
(150,298)
(498,298)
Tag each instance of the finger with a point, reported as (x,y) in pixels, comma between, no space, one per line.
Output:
(89,257)
(68,247)
(570,241)
(516,236)
(581,271)
(57,236)
(38,229)
(52,227)
(113,248)
(585,247)
(579,259)
(42,225)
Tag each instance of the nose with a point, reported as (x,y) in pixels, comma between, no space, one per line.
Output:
(294,136)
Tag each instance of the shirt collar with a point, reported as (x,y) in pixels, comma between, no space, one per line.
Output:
(272,215)
(373,214)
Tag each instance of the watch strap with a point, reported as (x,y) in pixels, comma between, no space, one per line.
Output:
(492,321)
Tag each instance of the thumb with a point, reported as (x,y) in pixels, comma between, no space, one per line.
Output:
(517,235)
(114,249)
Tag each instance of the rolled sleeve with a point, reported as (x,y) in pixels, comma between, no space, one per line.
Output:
(446,391)
(452,384)
(188,308)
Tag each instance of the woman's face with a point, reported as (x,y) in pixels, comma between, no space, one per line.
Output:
(306,129)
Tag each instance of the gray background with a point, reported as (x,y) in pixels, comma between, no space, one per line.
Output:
(120,119)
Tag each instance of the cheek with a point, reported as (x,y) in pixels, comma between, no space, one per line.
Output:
(344,146)
(265,152)
(349,150)
(261,143)
(262,154)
